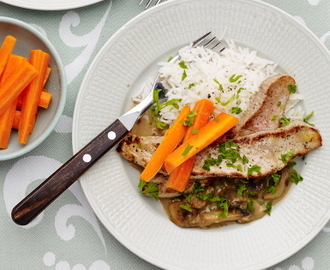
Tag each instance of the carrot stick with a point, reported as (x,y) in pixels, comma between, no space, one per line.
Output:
(13,63)
(7,117)
(49,69)
(172,138)
(207,134)
(6,49)
(45,99)
(6,123)
(17,119)
(180,176)
(31,96)
(15,84)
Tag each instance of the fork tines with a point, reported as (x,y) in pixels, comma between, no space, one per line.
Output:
(211,43)
(149,3)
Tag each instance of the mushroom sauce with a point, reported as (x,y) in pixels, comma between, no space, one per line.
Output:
(216,202)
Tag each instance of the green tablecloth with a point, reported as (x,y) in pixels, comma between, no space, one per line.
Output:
(68,235)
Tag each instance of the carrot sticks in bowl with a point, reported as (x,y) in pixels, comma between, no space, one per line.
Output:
(21,83)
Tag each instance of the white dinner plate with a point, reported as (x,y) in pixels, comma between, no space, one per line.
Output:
(50,4)
(129,58)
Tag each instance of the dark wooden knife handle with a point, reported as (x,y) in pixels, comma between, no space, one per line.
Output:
(33,204)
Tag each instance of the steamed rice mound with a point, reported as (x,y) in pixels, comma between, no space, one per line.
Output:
(229,79)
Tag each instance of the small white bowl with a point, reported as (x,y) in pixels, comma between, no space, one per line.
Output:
(28,38)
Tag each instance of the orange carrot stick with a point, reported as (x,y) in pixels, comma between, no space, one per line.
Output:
(15,84)
(49,69)
(207,134)
(6,123)
(7,117)
(6,49)
(45,99)
(172,138)
(180,176)
(17,119)
(31,95)
(13,63)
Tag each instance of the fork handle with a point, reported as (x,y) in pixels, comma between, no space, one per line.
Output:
(33,204)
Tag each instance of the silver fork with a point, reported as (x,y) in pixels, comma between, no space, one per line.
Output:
(149,3)
(41,197)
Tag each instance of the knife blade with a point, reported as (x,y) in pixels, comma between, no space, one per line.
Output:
(34,203)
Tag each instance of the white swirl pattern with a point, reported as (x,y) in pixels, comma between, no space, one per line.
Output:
(32,173)
(88,41)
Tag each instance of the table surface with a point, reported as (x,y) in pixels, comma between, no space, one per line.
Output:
(69,236)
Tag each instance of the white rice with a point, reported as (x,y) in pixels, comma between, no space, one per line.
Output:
(208,76)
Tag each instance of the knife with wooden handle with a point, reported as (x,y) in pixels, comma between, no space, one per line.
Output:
(34,203)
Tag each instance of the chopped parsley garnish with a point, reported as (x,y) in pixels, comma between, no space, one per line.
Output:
(276,178)
(194,131)
(210,161)
(229,152)
(292,88)
(254,169)
(240,90)
(235,78)
(223,203)
(278,104)
(149,188)
(245,160)
(158,106)
(183,64)
(191,85)
(220,87)
(250,205)
(190,119)
(307,117)
(198,187)
(225,103)
(286,157)
(186,207)
(236,110)
(238,167)
(240,190)
(272,189)
(187,149)
(285,121)
(291,164)
(269,207)
(159,124)
(295,177)
(205,197)
(184,75)
(274,118)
